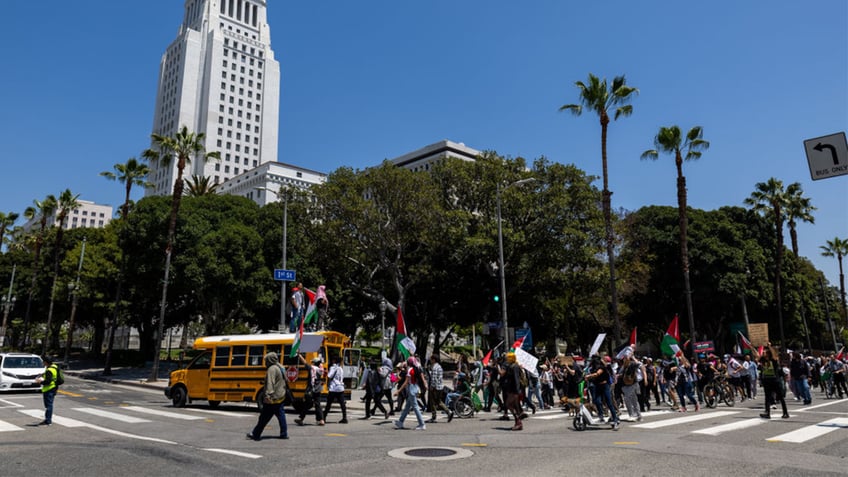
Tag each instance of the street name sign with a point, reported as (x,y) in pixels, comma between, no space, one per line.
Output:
(284,275)
(827,156)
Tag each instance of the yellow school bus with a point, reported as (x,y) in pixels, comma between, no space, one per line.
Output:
(232,369)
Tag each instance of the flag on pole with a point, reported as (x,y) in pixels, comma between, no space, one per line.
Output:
(311,310)
(841,353)
(405,345)
(746,345)
(488,356)
(633,338)
(670,342)
(519,343)
(298,338)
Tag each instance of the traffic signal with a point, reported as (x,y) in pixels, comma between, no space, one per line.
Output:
(497,298)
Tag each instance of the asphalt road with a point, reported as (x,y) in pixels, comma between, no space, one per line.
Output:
(111,429)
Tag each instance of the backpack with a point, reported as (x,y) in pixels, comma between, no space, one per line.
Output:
(629,376)
(386,375)
(375,382)
(60,376)
(522,377)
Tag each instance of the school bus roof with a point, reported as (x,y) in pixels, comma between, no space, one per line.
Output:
(310,340)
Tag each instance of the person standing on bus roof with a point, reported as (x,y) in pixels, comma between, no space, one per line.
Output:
(297,307)
(272,402)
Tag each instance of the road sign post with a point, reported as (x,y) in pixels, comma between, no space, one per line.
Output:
(827,156)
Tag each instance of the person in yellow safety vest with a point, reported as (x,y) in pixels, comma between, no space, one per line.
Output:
(48,389)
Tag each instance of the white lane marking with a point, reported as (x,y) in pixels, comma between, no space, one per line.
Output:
(10,404)
(159,412)
(67,422)
(743,424)
(684,420)
(808,408)
(221,413)
(62,421)
(552,416)
(235,453)
(110,415)
(6,427)
(810,432)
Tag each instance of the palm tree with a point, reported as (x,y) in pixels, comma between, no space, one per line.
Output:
(130,173)
(670,140)
(199,186)
(6,221)
(770,198)
(183,146)
(599,97)
(798,207)
(838,248)
(66,203)
(41,209)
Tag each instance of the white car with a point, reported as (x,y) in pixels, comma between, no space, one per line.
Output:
(18,371)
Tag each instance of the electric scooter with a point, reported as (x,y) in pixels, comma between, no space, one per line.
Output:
(584,417)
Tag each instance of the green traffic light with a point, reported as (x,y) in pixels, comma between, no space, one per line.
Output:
(497,298)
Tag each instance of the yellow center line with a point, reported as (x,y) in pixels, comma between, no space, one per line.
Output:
(335,435)
(92,399)
(68,393)
(626,443)
(471,444)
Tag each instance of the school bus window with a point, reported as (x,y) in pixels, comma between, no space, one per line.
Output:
(287,360)
(239,356)
(222,356)
(255,356)
(201,362)
(275,348)
(332,352)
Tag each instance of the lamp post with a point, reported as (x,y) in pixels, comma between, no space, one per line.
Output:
(501,257)
(285,198)
(8,304)
(383,307)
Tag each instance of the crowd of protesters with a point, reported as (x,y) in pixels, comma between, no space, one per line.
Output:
(628,384)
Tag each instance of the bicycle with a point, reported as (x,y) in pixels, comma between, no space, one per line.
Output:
(719,390)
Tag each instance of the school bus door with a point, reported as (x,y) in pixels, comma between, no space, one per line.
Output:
(197,376)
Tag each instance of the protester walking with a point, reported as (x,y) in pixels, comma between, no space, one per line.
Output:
(335,387)
(412,386)
(272,402)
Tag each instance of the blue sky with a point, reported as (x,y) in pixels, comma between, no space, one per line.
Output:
(369,80)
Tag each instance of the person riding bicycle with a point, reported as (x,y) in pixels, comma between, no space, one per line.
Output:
(706,373)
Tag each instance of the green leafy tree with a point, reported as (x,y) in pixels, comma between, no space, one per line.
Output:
(184,146)
(770,198)
(66,202)
(600,97)
(131,173)
(41,209)
(6,221)
(671,140)
(838,248)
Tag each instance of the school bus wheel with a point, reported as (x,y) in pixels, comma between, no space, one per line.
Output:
(179,395)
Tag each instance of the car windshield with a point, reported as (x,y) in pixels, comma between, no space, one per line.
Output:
(19,362)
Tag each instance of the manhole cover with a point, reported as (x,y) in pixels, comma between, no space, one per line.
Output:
(430,453)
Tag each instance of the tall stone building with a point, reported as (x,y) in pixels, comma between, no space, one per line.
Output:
(219,77)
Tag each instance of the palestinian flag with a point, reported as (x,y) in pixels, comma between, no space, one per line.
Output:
(519,343)
(670,343)
(746,345)
(404,343)
(841,353)
(297,339)
(311,310)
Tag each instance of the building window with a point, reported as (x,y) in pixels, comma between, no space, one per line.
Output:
(226,169)
(218,143)
(217,167)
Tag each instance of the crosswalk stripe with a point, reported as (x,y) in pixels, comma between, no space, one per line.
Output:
(552,416)
(110,415)
(683,420)
(62,421)
(6,427)
(159,412)
(733,426)
(235,453)
(810,432)
(223,413)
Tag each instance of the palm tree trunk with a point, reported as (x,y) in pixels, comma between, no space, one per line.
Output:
(778,267)
(684,245)
(842,288)
(610,239)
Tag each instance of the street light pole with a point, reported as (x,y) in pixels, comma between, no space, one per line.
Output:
(383,307)
(8,303)
(504,321)
(285,198)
